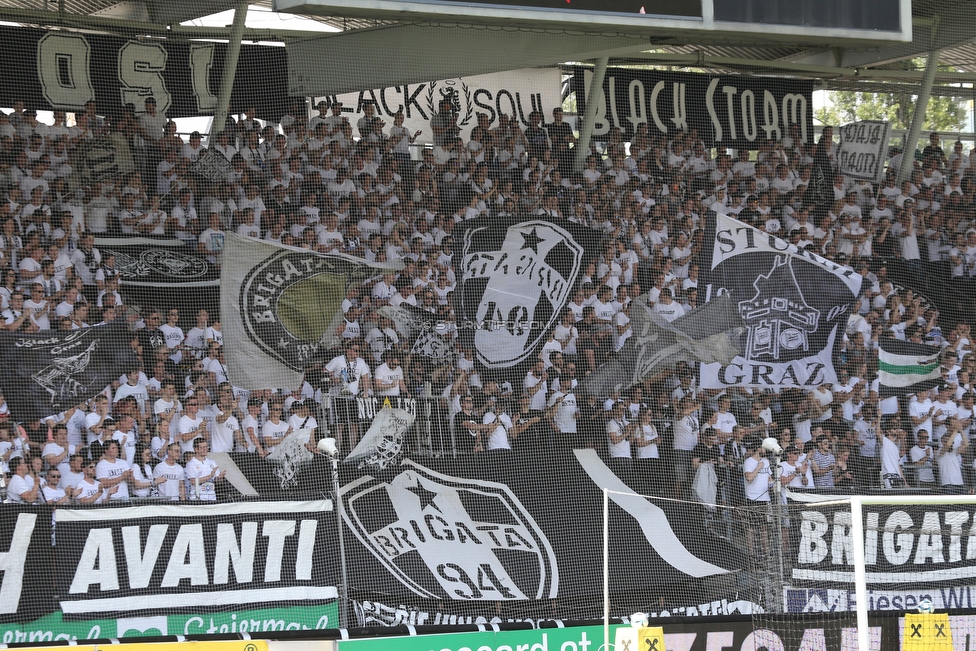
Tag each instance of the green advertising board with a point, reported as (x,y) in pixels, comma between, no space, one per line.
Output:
(54,627)
(582,638)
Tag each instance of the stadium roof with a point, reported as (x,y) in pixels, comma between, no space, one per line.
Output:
(948,25)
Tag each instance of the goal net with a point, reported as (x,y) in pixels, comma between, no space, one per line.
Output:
(843,574)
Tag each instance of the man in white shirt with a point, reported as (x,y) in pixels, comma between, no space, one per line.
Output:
(389,376)
(169,475)
(133,387)
(192,425)
(950,456)
(225,428)
(202,474)
(351,376)
(113,471)
(302,418)
(890,438)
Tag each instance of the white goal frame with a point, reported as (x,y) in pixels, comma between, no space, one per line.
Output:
(857,536)
(857,502)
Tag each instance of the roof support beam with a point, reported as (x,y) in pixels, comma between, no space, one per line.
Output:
(230,71)
(593,94)
(702,60)
(918,116)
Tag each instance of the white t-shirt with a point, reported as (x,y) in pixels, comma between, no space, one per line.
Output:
(87,490)
(174,475)
(174,337)
(349,372)
(272,433)
(648,433)
(387,375)
(950,468)
(757,490)
(890,458)
(498,438)
(18,486)
(197,469)
(565,414)
(188,424)
(223,435)
(621,449)
(110,470)
(923,471)
(250,422)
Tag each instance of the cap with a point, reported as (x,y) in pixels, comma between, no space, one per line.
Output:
(108,422)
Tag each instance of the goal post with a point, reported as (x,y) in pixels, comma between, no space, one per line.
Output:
(810,573)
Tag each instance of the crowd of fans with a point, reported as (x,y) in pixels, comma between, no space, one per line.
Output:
(324,183)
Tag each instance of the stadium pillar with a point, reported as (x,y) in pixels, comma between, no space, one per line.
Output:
(918,117)
(592,100)
(230,70)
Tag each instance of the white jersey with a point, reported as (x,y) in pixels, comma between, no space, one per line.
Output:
(196,487)
(174,475)
(110,470)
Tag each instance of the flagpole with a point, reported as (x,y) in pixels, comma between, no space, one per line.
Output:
(328,446)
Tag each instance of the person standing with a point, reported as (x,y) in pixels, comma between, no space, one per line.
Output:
(351,375)
(23,487)
(891,437)
(758,479)
(921,457)
(202,474)
(953,447)
(169,475)
(824,463)
(113,472)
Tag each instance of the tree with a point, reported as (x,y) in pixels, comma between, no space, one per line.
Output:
(942,113)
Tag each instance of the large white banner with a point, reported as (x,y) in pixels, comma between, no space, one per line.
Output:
(863,149)
(514,93)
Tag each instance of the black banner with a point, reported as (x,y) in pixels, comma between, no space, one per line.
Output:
(515,276)
(726,110)
(51,372)
(158,263)
(475,531)
(176,557)
(63,70)
(794,305)
(919,546)
(25,562)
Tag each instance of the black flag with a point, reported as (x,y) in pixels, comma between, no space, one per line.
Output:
(48,373)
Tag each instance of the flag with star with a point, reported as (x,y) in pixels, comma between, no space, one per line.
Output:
(515,277)
(281,306)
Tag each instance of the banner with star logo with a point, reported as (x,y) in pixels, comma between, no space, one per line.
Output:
(515,276)
(281,307)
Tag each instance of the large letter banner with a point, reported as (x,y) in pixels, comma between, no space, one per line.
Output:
(144,558)
(739,111)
